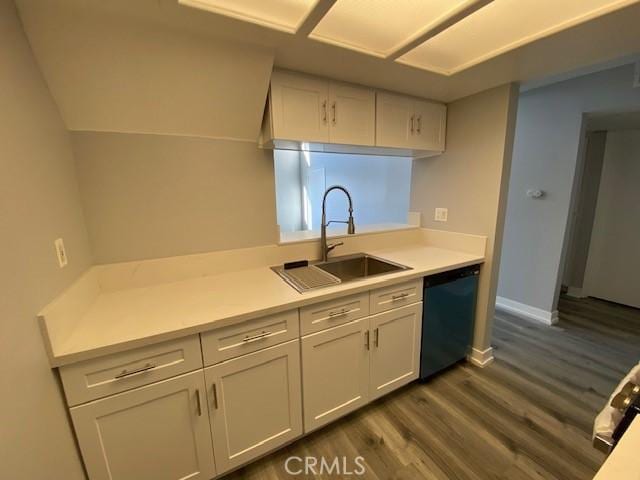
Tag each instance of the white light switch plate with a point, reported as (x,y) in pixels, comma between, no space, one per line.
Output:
(61,253)
(441,214)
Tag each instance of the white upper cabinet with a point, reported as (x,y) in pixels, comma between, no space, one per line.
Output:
(430,120)
(404,122)
(299,107)
(393,120)
(311,109)
(320,115)
(157,432)
(352,113)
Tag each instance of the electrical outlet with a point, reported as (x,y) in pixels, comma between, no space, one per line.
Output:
(441,214)
(61,253)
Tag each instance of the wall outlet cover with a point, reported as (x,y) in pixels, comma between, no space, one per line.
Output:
(61,253)
(441,214)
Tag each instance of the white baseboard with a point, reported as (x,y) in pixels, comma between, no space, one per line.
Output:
(576,292)
(527,311)
(481,358)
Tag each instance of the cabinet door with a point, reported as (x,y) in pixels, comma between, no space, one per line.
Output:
(299,107)
(255,403)
(156,432)
(395,348)
(336,372)
(429,125)
(393,120)
(352,114)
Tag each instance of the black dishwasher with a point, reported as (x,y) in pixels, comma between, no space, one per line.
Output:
(447,318)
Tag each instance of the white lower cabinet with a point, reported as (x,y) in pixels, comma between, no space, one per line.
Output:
(395,349)
(335,372)
(254,403)
(156,432)
(205,423)
(345,367)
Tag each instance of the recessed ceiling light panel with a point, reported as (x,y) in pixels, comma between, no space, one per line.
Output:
(379,27)
(284,15)
(501,26)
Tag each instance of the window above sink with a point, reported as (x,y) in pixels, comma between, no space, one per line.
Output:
(380,187)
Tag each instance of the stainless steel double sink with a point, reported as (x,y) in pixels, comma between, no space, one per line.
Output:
(337,270)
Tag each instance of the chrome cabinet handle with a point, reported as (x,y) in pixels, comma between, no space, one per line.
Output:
(419,127)
(324,112)
(412,124)
(366,339)
(399,296)
(376,335)
(259,336)
(339,313)
(198,402)
(125,373)
(333,108)
(215,396)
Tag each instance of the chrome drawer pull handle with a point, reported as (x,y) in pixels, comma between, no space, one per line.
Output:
(215,396)
(198,402)
(400,296)
(339,313)
(256,337)
(126,373)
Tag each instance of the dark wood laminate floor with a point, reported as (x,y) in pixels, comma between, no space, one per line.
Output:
(527,416)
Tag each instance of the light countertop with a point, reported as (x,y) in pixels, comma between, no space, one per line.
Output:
(623,463)
(124,319)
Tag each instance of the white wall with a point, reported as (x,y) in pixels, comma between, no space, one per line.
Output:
(614,257)
(379,187)
(39,202)
(166,121)
(149,196)
(470,179)
(547,146)
(585,211)
(288,190)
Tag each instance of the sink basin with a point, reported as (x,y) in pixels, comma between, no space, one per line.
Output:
(358,266)
(337,270)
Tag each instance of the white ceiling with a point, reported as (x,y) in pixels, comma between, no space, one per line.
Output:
(379,27)
(442,36)
(600,39)
(283,15)
(501,26)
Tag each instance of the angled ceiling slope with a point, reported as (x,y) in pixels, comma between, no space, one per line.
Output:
(441,36)
(114,73)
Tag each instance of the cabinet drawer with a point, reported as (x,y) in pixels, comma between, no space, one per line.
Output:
(103,376)
(395,296)
(320,316)
(249,336)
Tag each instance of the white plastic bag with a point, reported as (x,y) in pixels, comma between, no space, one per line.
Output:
(606,421)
